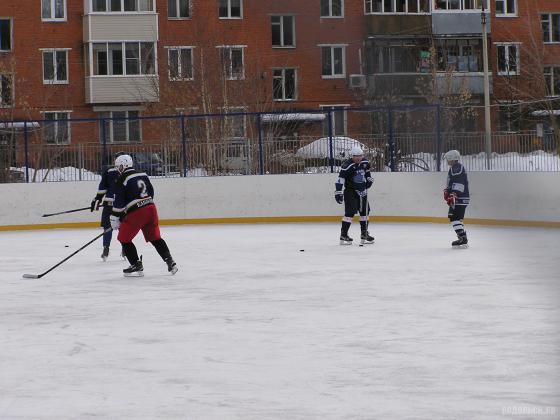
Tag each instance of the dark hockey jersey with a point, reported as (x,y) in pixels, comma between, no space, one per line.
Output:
(107,184)
(132,191)
(458,183)
(355,176)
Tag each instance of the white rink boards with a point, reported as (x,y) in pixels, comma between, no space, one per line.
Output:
(253,328)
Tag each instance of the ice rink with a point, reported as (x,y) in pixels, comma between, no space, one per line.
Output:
(281,322)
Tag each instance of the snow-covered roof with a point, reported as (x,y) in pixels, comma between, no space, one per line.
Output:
(320,148)
(19,124)
(292,116)
(545,112)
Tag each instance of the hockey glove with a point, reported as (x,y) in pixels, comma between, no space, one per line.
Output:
(451,199)
(338,197)
(96,202)
(115,222)
(362,194)
(445,194)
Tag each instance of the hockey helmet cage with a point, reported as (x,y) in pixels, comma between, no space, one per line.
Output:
(452,155)
(356,151)
(123,162)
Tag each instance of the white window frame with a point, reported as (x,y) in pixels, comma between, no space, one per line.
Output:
(332,48)
(368,8)
(281,24)
(11,32)
(12,94)
(517,58)
(179,48)
(229,71)
(53,12)
(121,11)
(177,6)
(550,27)
(53,51)
(461,9)
(336,108)
(283,77)
(123,50)
(548,72)
(330,15)
(55,123)
(110,122)
(229,16)
(504,5)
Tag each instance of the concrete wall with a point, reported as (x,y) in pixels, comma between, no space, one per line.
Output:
(531,199)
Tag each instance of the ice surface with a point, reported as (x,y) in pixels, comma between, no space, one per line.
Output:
(253,328)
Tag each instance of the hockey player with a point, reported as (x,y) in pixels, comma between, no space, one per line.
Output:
(134,210)
(104,197)
(355,178)
(456,194)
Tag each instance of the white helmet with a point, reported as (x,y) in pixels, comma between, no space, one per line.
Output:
(356,151)
(452,155)
(123,162)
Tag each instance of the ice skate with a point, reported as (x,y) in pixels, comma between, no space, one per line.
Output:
(461,242)
(366,238)
(135,270)
(171,265)
(105,253)
(345,240)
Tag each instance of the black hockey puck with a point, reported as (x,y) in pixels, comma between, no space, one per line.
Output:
(301,250)
(66,246)
(361,244)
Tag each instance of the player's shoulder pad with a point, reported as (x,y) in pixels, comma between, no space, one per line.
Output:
(346,164)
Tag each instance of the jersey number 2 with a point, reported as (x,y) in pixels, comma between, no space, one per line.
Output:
(142,188)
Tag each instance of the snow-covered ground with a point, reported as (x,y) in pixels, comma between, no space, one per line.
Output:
(252,327)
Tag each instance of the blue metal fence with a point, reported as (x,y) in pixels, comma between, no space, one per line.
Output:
(259,143)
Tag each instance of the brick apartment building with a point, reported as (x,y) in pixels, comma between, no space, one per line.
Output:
(126,58)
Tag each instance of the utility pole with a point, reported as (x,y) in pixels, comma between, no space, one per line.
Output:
(487,117)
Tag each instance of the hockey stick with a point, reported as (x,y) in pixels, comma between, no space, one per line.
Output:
(67,211)
(38,276)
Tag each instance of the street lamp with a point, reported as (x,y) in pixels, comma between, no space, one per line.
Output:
(487,120)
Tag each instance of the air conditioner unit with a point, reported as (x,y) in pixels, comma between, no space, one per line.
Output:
(357,81)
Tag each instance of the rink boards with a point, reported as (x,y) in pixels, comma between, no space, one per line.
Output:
(497,198)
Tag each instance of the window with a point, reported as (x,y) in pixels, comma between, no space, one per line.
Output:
(5,34)
(53,9)
(56,128)
(179,9)
(508,59)
(506,7)
(6,90)
(457,4)
(180,62)
(118,6)
(333,61)
(284,84)
(410,56)
(550,24)
(461,55)
(121,127)
(123,58)
(235,125)
(55,66)
(510,118)
(232,62)
(397,6)
(332,8)
(283,31)
(338,120)
(552,80)
(231,9)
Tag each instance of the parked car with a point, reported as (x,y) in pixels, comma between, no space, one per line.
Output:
(152,164)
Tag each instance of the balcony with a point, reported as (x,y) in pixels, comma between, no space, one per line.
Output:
(458,23)
(418,84)
(121,89)
(121,27)
(403,25)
